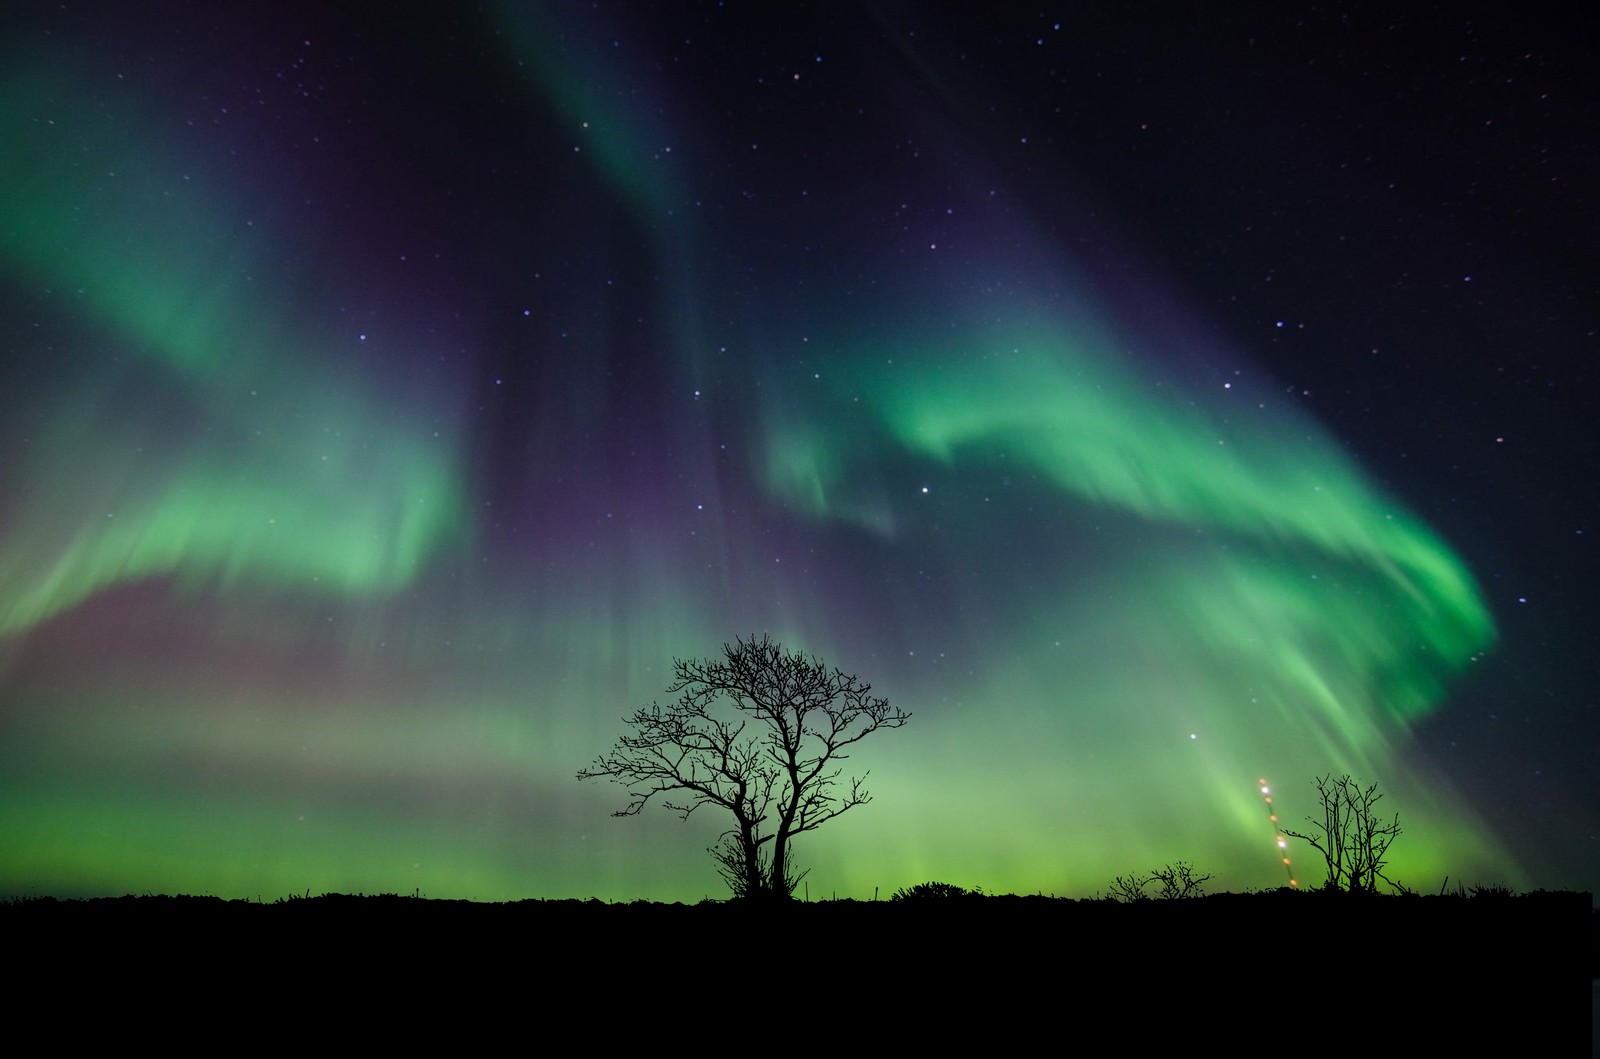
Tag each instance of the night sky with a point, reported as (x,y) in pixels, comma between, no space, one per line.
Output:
(1149,404)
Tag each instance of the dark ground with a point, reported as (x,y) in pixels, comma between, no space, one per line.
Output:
(1283,971)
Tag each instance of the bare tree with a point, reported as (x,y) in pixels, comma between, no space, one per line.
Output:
(1179,881)
(1129,888)
(759,733)
(1353,840)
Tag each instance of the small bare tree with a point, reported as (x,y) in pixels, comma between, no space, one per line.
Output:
(1129,888)
(1353,840)
(1179,881)
(759,733)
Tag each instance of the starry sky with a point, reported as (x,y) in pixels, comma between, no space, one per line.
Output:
(1148,403)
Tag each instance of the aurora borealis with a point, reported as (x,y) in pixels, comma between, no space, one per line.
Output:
(389,400)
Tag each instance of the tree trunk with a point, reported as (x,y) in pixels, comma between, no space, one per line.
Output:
(752,864)
(780,861)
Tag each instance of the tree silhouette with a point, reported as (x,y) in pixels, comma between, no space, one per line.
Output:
(1354,841)
(760,733)
(1179,881)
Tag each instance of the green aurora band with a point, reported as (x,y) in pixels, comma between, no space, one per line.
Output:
(225,450)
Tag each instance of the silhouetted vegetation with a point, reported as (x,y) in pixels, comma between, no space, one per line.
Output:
(1129,888)
(758,733)
(1352,838)
(933,891)
(1486,892)
(1178,881)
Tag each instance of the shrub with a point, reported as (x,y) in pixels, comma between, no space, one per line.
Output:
(929,891)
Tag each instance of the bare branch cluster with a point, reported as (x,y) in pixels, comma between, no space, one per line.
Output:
(760,733)
(1129,888)
(1178,881)
(1352,838)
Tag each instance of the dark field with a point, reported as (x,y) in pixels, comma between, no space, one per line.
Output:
(1282,972)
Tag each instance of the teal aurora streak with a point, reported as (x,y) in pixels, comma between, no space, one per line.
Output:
(262,630)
